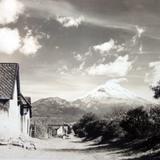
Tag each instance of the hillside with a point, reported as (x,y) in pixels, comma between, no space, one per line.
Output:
(55,110)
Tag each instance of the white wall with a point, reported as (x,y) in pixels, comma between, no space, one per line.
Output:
(10,121)
(61,131)
(25,120)
(14,115)
(12,124)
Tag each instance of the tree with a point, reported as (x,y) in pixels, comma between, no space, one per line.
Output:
(94,129)
(155,120)
(156,90)
(86,122)
(111,130)
(136,123)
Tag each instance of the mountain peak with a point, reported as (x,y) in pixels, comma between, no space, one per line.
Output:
(105,98)
(52,100)
(110,90)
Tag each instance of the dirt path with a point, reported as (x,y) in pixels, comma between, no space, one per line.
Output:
(59,149)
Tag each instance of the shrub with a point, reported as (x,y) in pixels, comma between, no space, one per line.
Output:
(87,118)
(80,127)
(91,127)
(136,123)
(112,130)
(78,130)
(155,121)
(156,90)
(94,129)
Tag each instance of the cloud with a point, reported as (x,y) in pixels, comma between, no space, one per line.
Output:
(10,40)
(141,49)
(154,75)
(70,21)
(78,57)
(81,66)
(30,44)
(10,11)
(140,31)
(119,68)
(50,9)
(105,47)
(63,70)
(109,46)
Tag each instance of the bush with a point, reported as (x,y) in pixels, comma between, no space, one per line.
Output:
(112,130)
(91,127)
(81,128)
(156,90)
(155,121)
(87,118)
(136,123)
(94,129)
(78,130)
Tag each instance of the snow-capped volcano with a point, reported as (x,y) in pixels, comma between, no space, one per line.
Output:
(107,96)
(111,89)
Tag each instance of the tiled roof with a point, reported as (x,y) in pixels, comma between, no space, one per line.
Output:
(8,75)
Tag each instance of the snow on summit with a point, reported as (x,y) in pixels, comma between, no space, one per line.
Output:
(111,89)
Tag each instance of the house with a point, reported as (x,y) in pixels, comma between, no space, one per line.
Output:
(15,109)
(59,130)
(62,131)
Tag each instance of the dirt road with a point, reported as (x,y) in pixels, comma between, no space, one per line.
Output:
(59,149)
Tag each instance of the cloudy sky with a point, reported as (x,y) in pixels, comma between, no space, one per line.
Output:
(68,47)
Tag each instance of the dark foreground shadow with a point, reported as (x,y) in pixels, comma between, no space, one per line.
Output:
(154,156)
(125,147)
(131,147)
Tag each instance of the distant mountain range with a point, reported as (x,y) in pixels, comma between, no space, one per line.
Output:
(55,110)
(101,100)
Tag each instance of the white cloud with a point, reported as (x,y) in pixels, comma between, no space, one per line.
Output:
(70,21)
(63,70)
(120,48)
(119,68)
(140,31)
(134,40)
(78,57)
(57,47)
(10,11)
(30,44)
(81,66)
(105,47)
(51,9)
(10,40)
(154,75)
(109,46)
(141,49)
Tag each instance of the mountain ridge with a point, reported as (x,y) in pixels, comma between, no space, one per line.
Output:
(101,100)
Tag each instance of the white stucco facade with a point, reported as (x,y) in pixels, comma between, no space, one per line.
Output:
(10,120)
(25,124)
(12,124)
(61,131)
